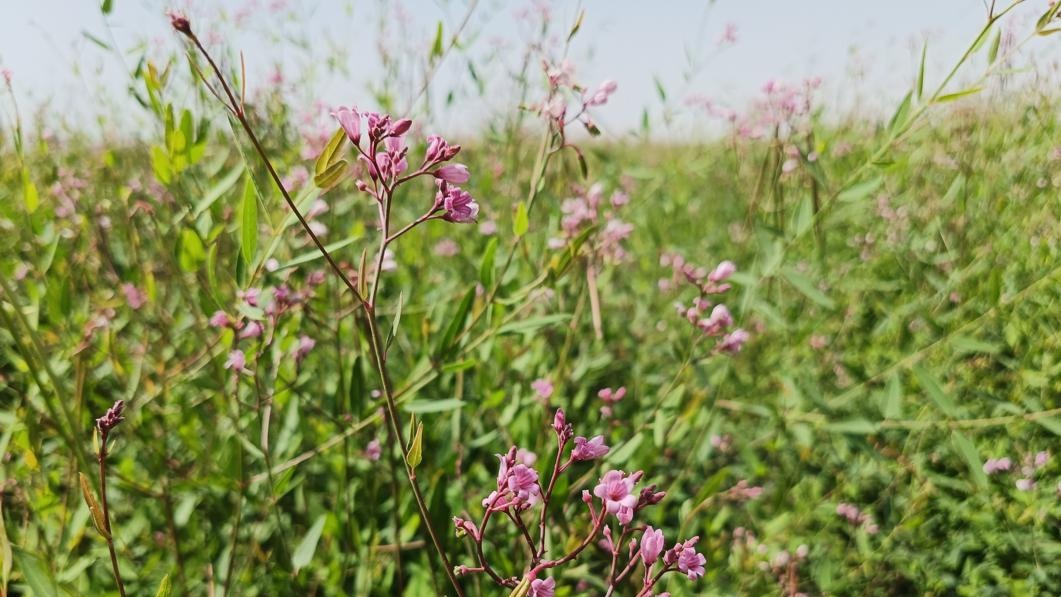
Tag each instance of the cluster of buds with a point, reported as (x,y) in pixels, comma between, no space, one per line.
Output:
(718,322)
(612,506)
(610,397)
(111,418)
(567,100)
(589,209)
(384,155)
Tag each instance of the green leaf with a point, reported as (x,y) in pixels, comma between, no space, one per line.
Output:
(432,406)
(331,176)
(316,254)
(5,551)
(522,220)
(248,221)
(165,588)
(577,25)
(93,506)
(861,190)
(218,190)
(901,114)
(457,323)
(329,156)
(107,6)
(893,398)
(1051,424)
(304,552)
(853,426)
(807,288)
(935,391)
(486,266)
(950,97)
(36,573)
(967,345)
(396,322)
(967,450)
(992,54)
(532,324)
(921,72)
(416,448)
(30,197)
(160,164)
(192,251)
(436,46)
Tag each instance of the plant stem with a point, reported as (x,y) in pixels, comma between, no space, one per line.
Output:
(102,458)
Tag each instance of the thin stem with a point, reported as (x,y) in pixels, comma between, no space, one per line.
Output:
(106,512)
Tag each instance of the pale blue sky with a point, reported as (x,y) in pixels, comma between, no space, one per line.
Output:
(866,52)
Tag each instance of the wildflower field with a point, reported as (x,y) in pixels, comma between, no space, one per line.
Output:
(268,346)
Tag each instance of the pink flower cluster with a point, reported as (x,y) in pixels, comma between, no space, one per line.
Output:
(610,397)
(590,209)
(853,515)
(615,496)
(1030,465)
(785,568)
(385,158)
(558,106)
(718,322)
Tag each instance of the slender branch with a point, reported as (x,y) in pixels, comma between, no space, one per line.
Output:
(102,458)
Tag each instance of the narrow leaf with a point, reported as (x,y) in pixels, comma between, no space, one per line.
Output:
(416,449)
(93,506)
(248,221)
(967,450)
(935,391)
(306,548)
(522,220)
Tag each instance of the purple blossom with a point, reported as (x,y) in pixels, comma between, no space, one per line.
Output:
(305,344)
(614,490)
(237,361)
(993,466)
(733,342)
(134,297)
(543,388)
(542,588)
(220,319)
(589,449)
(457,203)
(690,562)
(652,543)
(373,450)
(1025,484)
(349,119)
(251,330)
(453,173)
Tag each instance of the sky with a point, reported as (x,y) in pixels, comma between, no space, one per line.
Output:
(866,53)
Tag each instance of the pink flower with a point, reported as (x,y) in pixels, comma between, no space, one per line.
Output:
(453,173)
(252,330)
(734,341)
(690,562)
(614,490)
(373,450)
(542,588)
(236,361)
(134,297)
(997,465)
(458,204)
(589,449)
(543,387)
(1025,484)
(305,344)
(609,395)
(651,545)
(249,296)
(350,120)
(6,74)
(526,457)
(219,319)
(719,320)
(721,272)
(1041,458)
